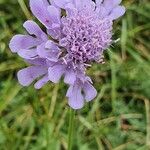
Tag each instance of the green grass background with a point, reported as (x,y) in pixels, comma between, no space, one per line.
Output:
(118,119)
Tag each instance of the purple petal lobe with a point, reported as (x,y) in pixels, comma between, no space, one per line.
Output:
(78,4)
(88,4)
(51,45)
(70,9)
(69,92)
(34,29)
(113,3)
(37,62)
(41,51)
(46,2)
(28,54)
(19,42)
(98,2)
(70,77)
(55,73)
(101,11)
(41,82)
(28,75)
(54,33)
(89,91)
(61,3)
(39,9)
(54,14)
(48,50)
(117,12)
(110,4)
(75,99)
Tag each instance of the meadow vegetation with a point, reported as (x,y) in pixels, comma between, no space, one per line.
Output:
(118,119)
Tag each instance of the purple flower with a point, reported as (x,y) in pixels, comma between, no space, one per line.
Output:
(79,91)
(72,42)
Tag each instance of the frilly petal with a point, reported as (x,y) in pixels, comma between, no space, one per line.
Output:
(37,62)
(28,75)
(39,9)
(54,32)
(98,2)
(19,42)
(34,29)
(117,12)
(55,73)
(110,4)
(70,77)
(86,4)
(75,99)
(48,50)
(89,92)
(28,53)
(41,82)
(110,9)
(54,13)
(61,3)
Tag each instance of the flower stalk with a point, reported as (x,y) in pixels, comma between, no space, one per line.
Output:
(71,127)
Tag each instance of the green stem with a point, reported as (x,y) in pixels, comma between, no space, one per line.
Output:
(70,129)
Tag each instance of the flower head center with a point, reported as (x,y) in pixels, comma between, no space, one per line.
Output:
(85,36)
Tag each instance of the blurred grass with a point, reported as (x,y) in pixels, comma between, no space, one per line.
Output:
(118,119)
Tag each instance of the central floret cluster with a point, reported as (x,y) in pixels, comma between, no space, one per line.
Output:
(85,36)
(79,31)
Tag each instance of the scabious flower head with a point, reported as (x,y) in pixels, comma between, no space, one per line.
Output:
(78,32)
(85,36)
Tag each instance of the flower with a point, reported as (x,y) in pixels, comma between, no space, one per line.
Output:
(78,32)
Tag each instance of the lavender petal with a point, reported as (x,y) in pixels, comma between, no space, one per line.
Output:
(70,77)
(40,11)
(75,99)
(55,73)
(117,12)
(28,53)
(34,29)
(40,83)
(89,91)
(28,75)
(19,42)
